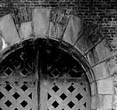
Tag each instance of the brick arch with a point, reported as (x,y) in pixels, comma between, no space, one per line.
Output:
(38,27)
(90,55)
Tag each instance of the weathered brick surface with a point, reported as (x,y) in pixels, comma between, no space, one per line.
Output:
(104,102)
(93,102)
(101,71)
(41,21)
(101,52)
(73,30)
(107,102)
(105,86)
(93,89)
(25,30)
(8,30)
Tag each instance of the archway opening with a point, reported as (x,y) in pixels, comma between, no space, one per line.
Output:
(43,74)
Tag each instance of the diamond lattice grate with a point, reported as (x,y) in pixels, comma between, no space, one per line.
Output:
(67,96)
(16,96)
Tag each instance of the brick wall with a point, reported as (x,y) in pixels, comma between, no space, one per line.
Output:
(91,10)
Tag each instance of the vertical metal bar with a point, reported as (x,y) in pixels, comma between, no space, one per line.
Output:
(38,72)
(36,51)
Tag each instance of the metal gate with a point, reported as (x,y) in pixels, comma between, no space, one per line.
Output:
(24,87)
(64,94)
(18,94)
(18,84)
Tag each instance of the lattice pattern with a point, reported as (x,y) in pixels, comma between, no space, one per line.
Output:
(69,95)
(18,95)
(8,71)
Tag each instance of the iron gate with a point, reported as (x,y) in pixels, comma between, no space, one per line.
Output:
(62,95)
(28,82)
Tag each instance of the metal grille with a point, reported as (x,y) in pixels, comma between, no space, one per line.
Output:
(56,93)
(52,82)
(17,95)
(18,89)
(65,95)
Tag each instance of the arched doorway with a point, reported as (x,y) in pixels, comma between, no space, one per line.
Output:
(40,75)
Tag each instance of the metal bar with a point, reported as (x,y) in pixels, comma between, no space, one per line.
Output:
(37,76)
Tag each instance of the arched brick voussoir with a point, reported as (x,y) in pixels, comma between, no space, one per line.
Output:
(93,88)
(55,30)
(40,21)
(99,54)
(8,30)
(73,29)
(25,30)
(101,71)
(104,102)
(84,44)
